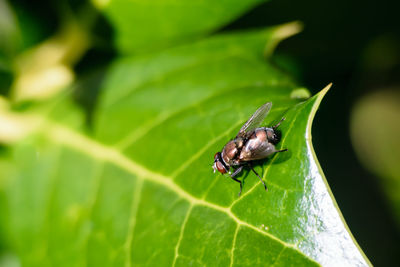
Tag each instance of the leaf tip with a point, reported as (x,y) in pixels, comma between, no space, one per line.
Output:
(280,33)
(318,98)
(327,87)
(288,29)
(323,92)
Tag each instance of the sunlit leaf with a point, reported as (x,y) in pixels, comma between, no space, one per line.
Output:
(141,191)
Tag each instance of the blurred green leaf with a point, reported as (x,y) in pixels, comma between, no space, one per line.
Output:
(375,131)
(148,25)
(9,32)
(140,190)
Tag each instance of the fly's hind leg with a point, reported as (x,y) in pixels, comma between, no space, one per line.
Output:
(251,167)
(233,176)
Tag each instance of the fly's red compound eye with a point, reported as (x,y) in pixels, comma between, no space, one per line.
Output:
(216,156)
(220,167)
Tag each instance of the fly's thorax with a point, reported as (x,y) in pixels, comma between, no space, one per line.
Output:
(231,151)
(239,142)
(261,134)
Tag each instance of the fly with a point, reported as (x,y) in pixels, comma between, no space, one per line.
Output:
(250,144)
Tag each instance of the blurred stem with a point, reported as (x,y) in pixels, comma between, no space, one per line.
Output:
(46,69)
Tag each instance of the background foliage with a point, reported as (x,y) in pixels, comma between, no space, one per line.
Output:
(70,43)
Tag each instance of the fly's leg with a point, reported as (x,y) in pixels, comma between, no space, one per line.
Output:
(235,173)
(282,150)
(251,167)
(241,185)
(279,123)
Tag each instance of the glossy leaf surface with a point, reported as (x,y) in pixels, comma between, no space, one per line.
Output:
(140,190)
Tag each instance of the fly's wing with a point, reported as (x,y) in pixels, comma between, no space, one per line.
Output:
(255,120)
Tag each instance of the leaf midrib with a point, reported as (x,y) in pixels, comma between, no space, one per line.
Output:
(65,136)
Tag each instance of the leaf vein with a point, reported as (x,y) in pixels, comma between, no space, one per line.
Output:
(178,243)
(234,244)
(279,255)
(72,139)
(96,187)
(132,224)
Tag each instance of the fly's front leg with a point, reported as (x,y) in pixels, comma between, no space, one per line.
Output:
(241,185)
(251,167)
(235,173)
(279,123)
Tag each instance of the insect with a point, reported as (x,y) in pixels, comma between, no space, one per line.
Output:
(250,144)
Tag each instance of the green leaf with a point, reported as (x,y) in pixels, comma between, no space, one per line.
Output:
(141,191)
(167,22)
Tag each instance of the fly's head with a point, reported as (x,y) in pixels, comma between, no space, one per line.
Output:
(219,164)
(273,136)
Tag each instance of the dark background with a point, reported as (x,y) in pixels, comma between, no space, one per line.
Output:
(331,48)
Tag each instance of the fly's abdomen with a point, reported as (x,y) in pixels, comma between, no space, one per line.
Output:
(257,146)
